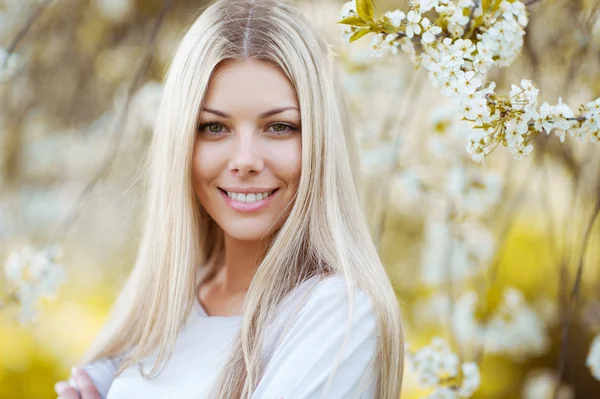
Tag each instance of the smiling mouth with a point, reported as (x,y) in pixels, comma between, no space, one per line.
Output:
(248,198)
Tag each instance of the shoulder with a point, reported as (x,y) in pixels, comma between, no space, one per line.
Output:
(324,307)
(326,334)
(333,293)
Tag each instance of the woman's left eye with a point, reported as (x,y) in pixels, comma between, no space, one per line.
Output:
(282,129)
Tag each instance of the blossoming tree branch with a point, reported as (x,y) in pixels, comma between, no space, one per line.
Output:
(458,42)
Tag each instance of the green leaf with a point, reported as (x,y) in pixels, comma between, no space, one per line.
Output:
(357,35)
(353,20)
(364,9)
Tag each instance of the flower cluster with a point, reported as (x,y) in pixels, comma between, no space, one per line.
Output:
(437,367)
(593,359)
(458,50)
(513,329)
(33,275)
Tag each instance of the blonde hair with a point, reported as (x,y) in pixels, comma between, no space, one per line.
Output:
(324,234)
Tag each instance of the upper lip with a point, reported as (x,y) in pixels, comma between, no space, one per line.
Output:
(248,190)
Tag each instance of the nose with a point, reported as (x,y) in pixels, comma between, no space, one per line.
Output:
(246,158)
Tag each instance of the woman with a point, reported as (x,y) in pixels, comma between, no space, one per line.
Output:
(256,276)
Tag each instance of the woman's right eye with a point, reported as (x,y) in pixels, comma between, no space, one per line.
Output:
(211,129)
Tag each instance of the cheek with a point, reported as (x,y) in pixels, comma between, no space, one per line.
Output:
(204,166)
(287,160)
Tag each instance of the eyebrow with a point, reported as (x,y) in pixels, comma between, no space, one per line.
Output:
(261,116)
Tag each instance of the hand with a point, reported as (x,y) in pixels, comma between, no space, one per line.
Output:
(87,389)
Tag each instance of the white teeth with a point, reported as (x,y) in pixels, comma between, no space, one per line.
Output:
(248,198)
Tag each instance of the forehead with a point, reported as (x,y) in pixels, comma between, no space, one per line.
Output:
(258,85)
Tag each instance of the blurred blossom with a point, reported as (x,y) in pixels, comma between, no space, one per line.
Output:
(406,188)
(437,367)
(513,329)
(540,384)
(145,104)
(473,190)
(379,159)
(455,251)
(432,311)
(593,359)
(116,10)
(33,275)
(9,64)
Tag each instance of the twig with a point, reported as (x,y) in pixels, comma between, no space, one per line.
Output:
(24,29)
(577,285)
(531,2)
(120,120)
(575,295)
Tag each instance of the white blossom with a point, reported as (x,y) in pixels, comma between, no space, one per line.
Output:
(514,328)
(426,5)
(593,358)
(429,31)
(541,384)
(396,17)
(33,275)
(9,64)
(471,380)
(436,363)
(413,27)
(115,10)
(348,9)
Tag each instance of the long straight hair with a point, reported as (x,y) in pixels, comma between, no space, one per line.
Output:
(325,232)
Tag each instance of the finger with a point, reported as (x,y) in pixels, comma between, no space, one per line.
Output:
(65,391)
(86,385)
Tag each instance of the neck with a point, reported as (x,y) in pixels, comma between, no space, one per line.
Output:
(242,258)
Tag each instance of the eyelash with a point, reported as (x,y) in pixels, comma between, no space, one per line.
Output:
(291,128)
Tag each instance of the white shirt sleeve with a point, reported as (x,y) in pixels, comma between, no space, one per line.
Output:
(102,372)
(302,363)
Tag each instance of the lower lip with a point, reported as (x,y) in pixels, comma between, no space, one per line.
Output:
(245,207)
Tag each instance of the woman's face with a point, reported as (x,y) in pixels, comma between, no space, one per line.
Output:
(247,156)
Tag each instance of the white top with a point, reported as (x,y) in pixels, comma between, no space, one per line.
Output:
(297,367)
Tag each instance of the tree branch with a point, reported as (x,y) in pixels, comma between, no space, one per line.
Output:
(24,29)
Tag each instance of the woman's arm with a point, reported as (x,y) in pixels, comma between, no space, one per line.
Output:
(90,382)
(302,364)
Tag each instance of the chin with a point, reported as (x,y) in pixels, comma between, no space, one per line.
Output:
(247,231)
